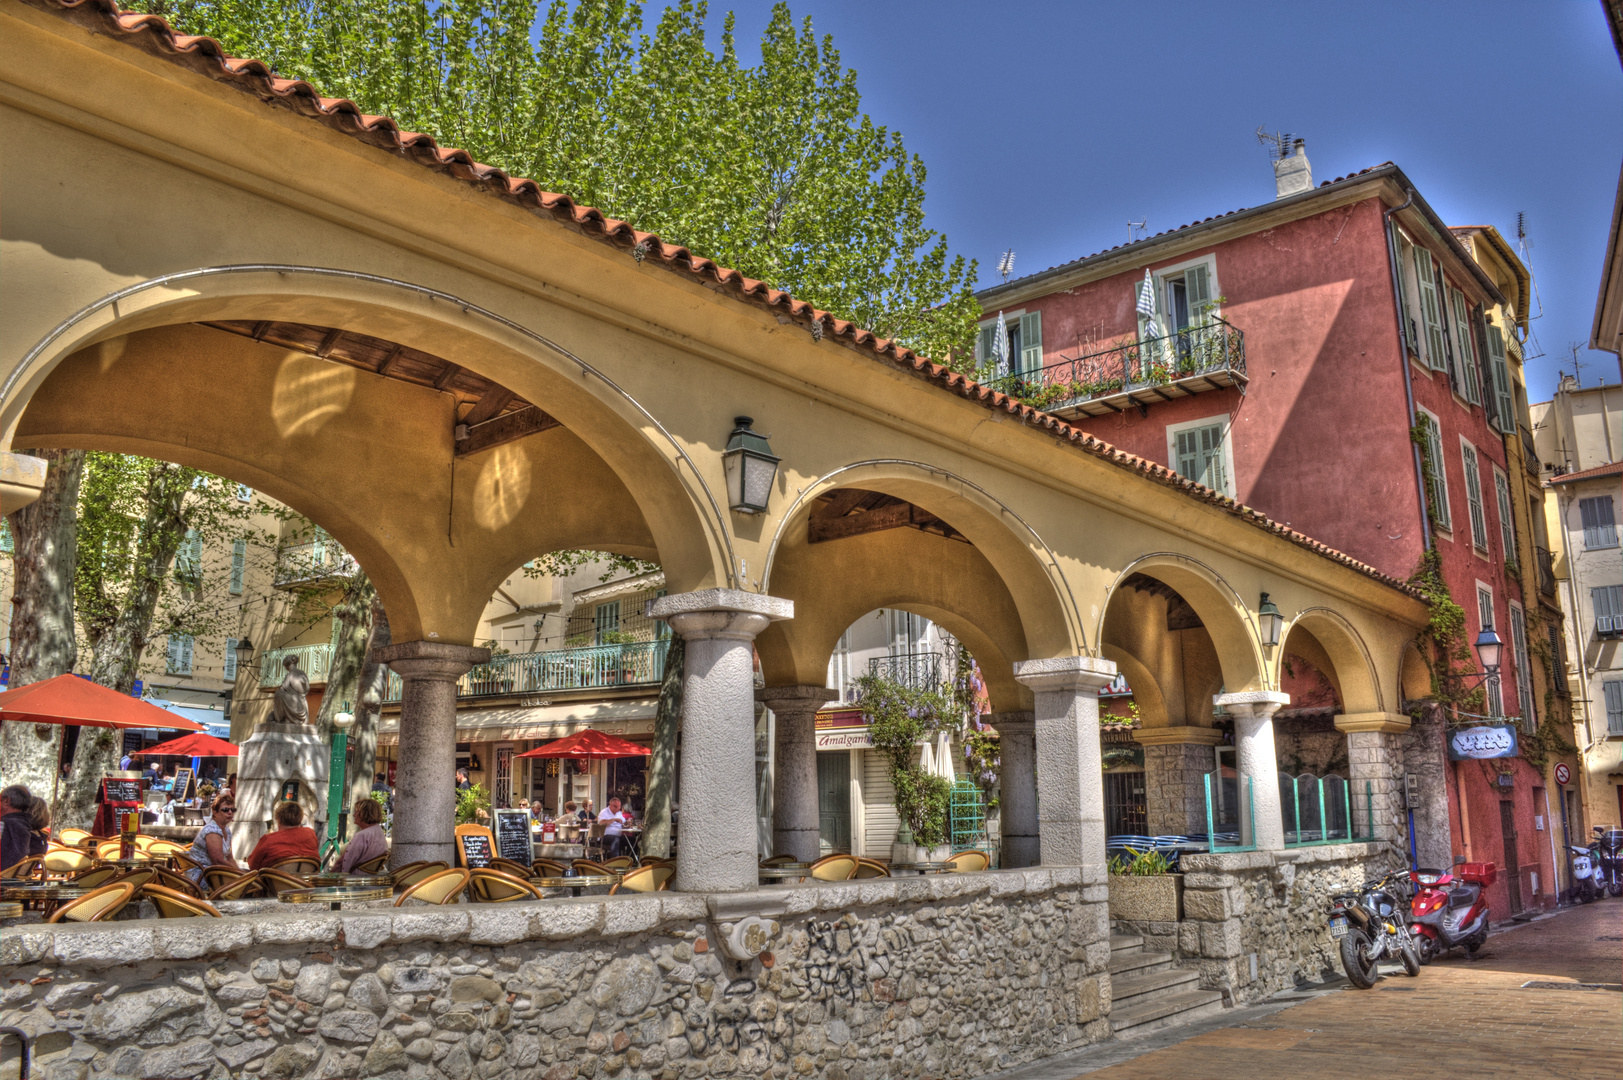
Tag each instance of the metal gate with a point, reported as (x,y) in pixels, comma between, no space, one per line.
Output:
(501,796)
(1126,811)
(834,801)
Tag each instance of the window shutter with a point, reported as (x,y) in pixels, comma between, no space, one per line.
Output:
(1410,329)
(180,652)
(230,659)
(1464,347)
(1211,452)
(1484,606)
(1504,400)
(1524,671)
(984,344)
(1600,527)
(1439,478)
(1031,342)
(1507,521)
(172,661)
(1430,310)
(1188,463)
(239,560)
(1198,290)
(1614,706)
(1473,498)
(1604,603)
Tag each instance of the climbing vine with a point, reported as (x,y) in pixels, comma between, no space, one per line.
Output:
(1445,635)
(899,718)
(1544,742)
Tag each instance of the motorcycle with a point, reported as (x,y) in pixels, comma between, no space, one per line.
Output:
(1606,852)
(1368,926)
(1447,912)
(1587,884)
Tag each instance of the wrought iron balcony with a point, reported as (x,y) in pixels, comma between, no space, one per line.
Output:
(1546,570)
(1529,453)
(315,660)
(916,671)
(597,667)
(316,561)
(1140,372)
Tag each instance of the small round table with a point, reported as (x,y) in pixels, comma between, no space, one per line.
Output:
(53,893)
(334,880)
(922,867)
(336,895)
(576,882)
(784,872)
(10,909)
(132,863)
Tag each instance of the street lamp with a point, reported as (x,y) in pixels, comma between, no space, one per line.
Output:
(245,652)
(750,466)
(1271,620)
(342,721)
(1489,649)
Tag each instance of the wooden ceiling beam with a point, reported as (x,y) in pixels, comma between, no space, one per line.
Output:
(505,429)
(491,403)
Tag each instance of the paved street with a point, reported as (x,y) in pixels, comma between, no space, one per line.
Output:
(1468,1018)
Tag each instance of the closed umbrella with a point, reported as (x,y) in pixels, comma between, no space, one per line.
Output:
(1000,348)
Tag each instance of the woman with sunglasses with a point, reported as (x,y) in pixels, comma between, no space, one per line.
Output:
(213,845)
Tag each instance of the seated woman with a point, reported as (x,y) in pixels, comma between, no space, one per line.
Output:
(369,841)
(213,845)
(291,840)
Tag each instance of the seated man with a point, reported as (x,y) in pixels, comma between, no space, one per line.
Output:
(291,840)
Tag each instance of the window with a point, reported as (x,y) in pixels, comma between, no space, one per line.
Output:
(180,654)
(1607,600)
(1524,672)
(1431,312)
(189,558)
(1200,451)
(1411,326)
(1600,526)
(1613,691)
(1484,607)
(239,560)
(230,659)
(1507,522)
(1464,347)
(1434,464)
(245,493)
(1025,342)
(1473,496)
(1558,649)
(606,618)
(1504,401)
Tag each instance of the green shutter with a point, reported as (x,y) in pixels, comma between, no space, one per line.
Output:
(1439,482)
(1188,455)
(1473,498)
(1507,522)
(1198,291)
(1031,342)
(239,560)
(1406,251)
(1214,475)
(984,344)
(1430,310)
(1504,400)
(1466,347)
(230,659)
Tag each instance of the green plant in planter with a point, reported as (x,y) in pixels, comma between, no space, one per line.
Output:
(1141,864)
(899,718)
(617,637)
(472,805)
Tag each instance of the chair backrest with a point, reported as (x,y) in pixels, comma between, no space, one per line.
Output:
(97,905)
(276,882)
(215,876)
(184,862)
(619,862)
(176,882)
(23,868)
(964,862)
(174,904)
(373,866)
(412,873)
(145,842)
(66,861)
(139,876)
(95,877)
(646,879)
(73,837)
(496,886)
(778,860)
(108,849)
(868,868)
(834,868)
(471,830)
(296,866)
(163,849)
(237,887)
(440,887)
(508,866)
(587,866)
(548,867)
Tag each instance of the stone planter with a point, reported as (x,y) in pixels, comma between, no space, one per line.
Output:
(900,852)
(1152,898)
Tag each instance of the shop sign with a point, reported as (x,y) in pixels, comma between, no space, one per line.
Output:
(845,739)
(1118,687)
(840,718)
(1482,742)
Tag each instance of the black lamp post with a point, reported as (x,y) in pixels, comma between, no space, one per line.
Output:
(750,466)
(1271,621)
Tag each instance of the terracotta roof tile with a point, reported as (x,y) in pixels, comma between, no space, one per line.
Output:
(205,56)
(1614,468)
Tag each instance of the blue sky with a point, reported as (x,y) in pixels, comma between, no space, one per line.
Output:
(1047,126)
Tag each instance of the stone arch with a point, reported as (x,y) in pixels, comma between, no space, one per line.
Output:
(1229,621)
(1414,674)
(1147,695)
(1335,647)
(133,372)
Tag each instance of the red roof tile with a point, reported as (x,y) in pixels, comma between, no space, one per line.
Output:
(204,55)
(1613,469)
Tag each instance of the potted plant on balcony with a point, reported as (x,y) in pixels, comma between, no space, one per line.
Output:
(491,677)
(618,669)
(1143,888)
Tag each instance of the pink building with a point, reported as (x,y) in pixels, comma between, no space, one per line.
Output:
(1283,355)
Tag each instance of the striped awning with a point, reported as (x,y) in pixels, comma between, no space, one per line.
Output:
(512,723)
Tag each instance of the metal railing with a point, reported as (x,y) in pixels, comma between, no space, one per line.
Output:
(1210,348)
(1546,570)
(1319,810)
(315,660)
(597,667)
(1226,808)
(916,671)
(1529,451)
(314,561)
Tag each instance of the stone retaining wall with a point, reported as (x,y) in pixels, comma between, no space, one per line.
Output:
(1269,908)
(952,975)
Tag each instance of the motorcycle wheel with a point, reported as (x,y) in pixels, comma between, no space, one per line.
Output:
(1425,947)
(1354,960)
(1411,958)
(1616,888)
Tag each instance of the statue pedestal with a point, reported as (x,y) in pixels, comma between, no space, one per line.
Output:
(273,755)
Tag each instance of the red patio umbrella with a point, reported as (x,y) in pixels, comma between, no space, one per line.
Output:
(191,746)
(589,744)
(68,699)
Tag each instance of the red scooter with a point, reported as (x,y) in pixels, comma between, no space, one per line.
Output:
(1449,909)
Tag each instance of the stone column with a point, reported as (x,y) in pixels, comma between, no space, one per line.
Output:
(1176,760)
(795,820)
(1017,786)
(715,846)
(425,778)
(1375,757)
(1253,713)
(1070,772)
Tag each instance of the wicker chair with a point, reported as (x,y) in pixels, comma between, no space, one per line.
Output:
(373,866)
(73,837)
(619,862)
(240,887)
(174,904)
(967,862)
(296,867)
(215,876)
(870,868)
(487,886)
(164,849)
(276,882)
(508,866)
(98,905)
(23,868)
(646,879)
(587,866)
(834,868)
(441,887)
(64,862)
(779,860)
(139,876)
(95,877)
(108,849)
(548,868)
(412,873)
(168,879)
(183,862)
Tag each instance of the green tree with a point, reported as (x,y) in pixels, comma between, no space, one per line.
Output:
(772,169)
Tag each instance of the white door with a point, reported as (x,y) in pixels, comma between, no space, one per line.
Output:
(502,795)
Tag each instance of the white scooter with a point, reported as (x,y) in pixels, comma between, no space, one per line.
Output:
(1588,880)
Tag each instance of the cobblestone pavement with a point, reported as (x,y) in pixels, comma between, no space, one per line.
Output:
(1466,1018)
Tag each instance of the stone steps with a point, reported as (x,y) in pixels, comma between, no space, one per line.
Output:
(1148,991)
(1127,990)
(1137,961)
(1167,1010)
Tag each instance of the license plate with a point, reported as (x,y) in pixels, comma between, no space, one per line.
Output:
(1338,928)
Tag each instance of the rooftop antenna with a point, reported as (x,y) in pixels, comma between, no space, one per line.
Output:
(1278,144)
(1142,228)
(1005,264)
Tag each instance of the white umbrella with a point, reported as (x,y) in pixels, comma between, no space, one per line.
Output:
(1000,347)
(943,758)
(1146,303)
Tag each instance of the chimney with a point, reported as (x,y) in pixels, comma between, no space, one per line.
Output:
(1293,175)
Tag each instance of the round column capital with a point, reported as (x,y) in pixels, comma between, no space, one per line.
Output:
(430,661)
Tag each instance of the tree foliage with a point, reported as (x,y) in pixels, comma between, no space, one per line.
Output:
(772,169)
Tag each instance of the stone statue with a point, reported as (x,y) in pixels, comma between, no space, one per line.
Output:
(291,705)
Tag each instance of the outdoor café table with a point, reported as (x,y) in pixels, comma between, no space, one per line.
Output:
(10,909)
(336,895)
(365,881)
(922,867)
(131,864)
(576,882)
(52,892)
(784,872)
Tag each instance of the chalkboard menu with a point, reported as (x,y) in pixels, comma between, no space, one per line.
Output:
(513,836)
(117,789)
(478,848)
(183,783)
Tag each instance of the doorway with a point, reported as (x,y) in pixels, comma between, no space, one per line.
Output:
(1507,828)
(1126,811)
(834,802)
(501,795)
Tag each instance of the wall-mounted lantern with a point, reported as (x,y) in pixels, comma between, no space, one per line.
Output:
(1489,650)
(750,467)
(1271,621)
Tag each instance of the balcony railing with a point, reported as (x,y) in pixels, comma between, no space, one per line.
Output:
(315,660)
(1546,570)
(598,667)
(1529,453)
(315,561)
(1140,372)
(916,671)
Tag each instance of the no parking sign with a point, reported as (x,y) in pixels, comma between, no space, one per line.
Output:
(1563,775)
